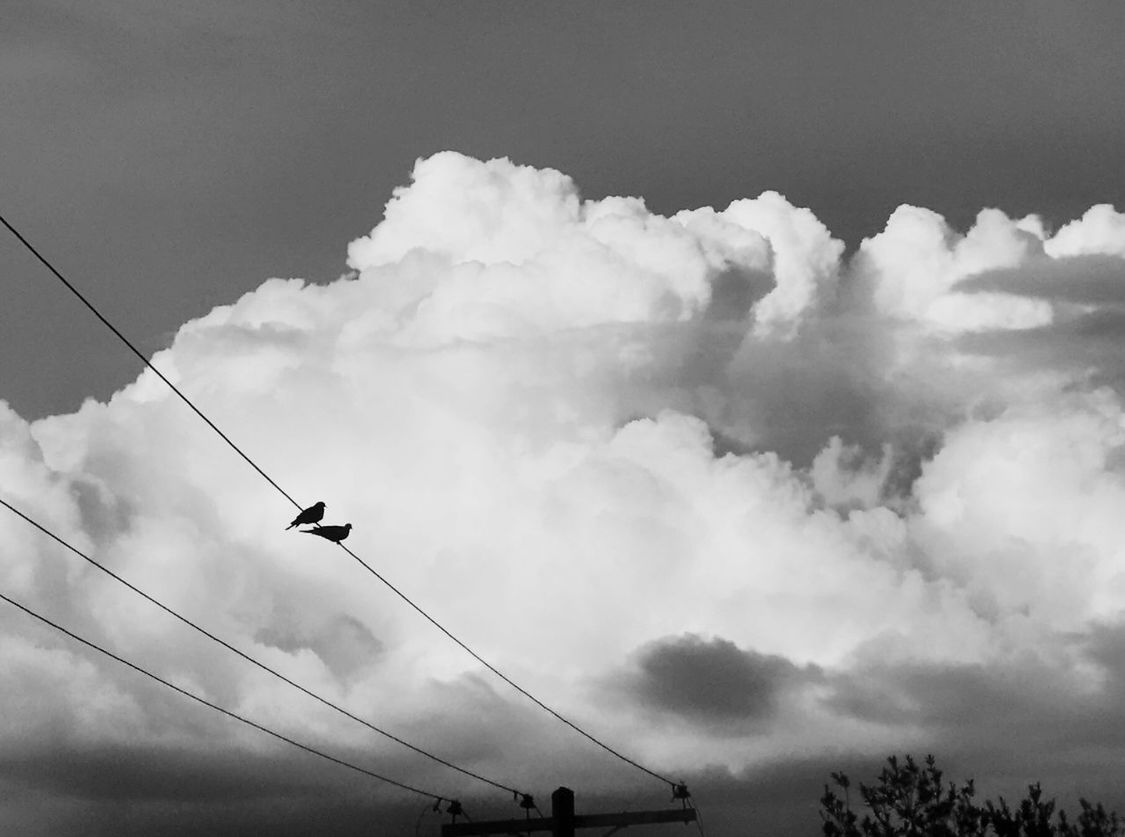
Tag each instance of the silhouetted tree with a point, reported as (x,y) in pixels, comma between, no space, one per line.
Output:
(910,799)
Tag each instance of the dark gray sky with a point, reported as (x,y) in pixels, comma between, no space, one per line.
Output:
(169,157)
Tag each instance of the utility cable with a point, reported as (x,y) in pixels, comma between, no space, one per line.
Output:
(253,661)
(398,592)
(503,676)
(226,712)
(144,360)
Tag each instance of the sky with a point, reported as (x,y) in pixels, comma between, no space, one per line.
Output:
(745,383)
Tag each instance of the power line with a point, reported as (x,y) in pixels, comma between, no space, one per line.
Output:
(226,712)
(397,592)
(144,360)
(253,661)
(503,676)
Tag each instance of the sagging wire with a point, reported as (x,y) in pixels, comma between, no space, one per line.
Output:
(307,748)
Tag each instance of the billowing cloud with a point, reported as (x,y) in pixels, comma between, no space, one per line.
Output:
(722,496)
(916,263)
(1101,230)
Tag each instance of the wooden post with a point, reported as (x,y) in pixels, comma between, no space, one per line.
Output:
(562,813)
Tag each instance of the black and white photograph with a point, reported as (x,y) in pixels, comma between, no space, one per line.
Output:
(710,418)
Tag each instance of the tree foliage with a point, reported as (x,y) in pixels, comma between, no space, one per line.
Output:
(911,799)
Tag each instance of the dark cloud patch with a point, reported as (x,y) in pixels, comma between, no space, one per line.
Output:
(711,681)
(724,445)
(791,397)
(909,455)
(1087,344)
(1085,337)
(126,789)
(136,773)
(1046,710)
(103,515)
(344,644)
(1083,280)
(1103,326)
(938,697)
(336,816)
(342,810)
(735,291)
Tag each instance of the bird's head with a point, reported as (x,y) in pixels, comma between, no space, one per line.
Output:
(319,504)
(347,527)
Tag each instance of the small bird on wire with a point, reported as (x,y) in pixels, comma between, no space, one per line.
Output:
(313,514)
(332,533)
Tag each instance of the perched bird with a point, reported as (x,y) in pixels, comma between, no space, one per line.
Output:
(312,514)
(332,533)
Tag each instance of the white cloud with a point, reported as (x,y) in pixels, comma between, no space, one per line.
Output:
(572,429)
(1024,511)
(806,259)
(915,264)
(1100,230)
(471,211)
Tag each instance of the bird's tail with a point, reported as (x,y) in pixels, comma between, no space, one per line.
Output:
(290,526)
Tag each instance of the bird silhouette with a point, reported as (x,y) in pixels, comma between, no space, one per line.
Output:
(312,514)
(332,533)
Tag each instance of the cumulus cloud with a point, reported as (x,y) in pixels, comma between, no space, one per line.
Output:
(1101,230)
(779,500)
(916,263)
(805,258)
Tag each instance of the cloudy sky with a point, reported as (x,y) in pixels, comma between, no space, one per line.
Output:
(747,383)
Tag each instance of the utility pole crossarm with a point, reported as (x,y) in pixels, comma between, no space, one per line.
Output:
(564,822)
(517,826)
(684,815)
